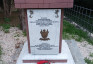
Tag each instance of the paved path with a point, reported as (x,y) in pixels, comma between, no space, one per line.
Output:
(1,62)
(78,58)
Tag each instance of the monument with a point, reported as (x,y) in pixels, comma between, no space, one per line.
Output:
(44,23)
(44,30)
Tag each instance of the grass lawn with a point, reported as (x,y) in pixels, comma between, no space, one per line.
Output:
(88,61)
(71,32)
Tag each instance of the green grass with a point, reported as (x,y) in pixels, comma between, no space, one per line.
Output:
(91,54)
(81,20)
(7,20)
(5,27)
(88,61)
(71,32)
(24,33)
(19,26)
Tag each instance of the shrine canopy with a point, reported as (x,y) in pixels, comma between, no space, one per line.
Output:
(43,3)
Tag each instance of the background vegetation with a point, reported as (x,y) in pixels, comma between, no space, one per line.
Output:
(71,32)
(84,3)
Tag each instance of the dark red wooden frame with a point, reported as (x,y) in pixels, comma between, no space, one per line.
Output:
(27,30)
(53,61)
(43,3)
(61,29)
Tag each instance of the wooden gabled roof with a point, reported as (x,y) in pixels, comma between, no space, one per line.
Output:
(43,3)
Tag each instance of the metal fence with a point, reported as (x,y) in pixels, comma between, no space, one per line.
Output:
(81,16)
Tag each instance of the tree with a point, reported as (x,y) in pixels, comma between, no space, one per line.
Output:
(6,6)
(22,19)
(1,4)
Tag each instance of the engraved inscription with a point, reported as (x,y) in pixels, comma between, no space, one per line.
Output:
(44,22)
(44,46)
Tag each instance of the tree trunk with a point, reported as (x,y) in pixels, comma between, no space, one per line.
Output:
(7,7)
(22,19)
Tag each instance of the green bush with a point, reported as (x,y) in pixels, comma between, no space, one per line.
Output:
(6,26)
(88,61)
(91,54)
(7,19)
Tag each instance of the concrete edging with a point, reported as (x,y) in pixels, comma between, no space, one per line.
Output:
(78,58)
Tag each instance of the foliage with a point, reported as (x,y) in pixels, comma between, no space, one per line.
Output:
(24,33)
(6,6)
(85,3)
(70,31)
(6,30)
(6,27)
(7,19)
(81,18)
(88,61)
(19,26)
(91,54)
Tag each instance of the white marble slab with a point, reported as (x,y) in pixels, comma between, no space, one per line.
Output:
(44,22)
(66,54)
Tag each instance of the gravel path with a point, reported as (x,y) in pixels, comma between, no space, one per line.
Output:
(12,43)
(86,49)
(9,43)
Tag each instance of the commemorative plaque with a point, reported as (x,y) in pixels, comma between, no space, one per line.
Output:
(44,26)
(44,30)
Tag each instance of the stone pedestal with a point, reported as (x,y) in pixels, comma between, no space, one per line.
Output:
(63,58)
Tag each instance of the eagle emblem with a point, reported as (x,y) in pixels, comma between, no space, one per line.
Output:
(44,34)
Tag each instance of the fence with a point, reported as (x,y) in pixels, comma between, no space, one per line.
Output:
(81,16)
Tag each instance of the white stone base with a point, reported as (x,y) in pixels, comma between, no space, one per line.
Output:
(66,54)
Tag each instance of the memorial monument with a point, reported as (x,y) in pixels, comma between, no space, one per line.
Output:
(44,23)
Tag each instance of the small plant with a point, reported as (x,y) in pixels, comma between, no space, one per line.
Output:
(91,54)
(6,27)
(19,26)
(6,30)
(7,20)
(24,33)
(17,35)
(88,61)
